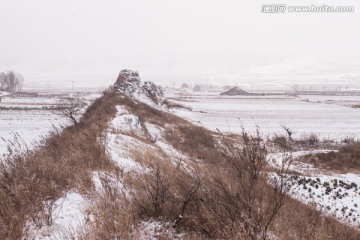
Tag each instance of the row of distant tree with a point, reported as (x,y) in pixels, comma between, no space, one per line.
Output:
(11,81)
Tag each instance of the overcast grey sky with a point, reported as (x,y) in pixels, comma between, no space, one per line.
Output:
(67,30)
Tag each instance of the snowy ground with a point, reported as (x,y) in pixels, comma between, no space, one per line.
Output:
(228,114)
(65,217)
(30,126)
(28,119)
(337,195)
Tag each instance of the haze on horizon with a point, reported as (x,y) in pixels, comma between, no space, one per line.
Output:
(172,41)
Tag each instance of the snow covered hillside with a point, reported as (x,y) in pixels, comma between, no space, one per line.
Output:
(133,170)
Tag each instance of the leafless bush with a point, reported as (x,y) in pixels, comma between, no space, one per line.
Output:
(288,131)
(166,190)
(309,139)
(281,141)
(239,202)
(70,109)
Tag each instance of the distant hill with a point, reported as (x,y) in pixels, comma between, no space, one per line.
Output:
(235,91)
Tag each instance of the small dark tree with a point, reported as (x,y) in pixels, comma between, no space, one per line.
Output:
(70,109)
(289,132)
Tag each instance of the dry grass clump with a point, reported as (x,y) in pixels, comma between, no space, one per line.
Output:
(308,139)
(149,114)
(113,213)
(280,142)
(165,191)
(193,140)
(170,104)
(305,141)
(299,221)
(347,159)
(238,202)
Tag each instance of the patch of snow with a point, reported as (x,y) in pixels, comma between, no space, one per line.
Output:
(67,216)
(118,146)
(126,122)
(100,178)
(155,133)
(141,97)
(157,230)
(336,195)
(277,160)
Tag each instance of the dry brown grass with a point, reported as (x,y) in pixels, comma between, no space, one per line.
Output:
(347,159)
(230,203)
(222,194)
(59,163)
(169,104)
(113,212)
(299,221)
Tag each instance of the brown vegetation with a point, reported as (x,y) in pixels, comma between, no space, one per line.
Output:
(347,159)
(59,163)
(221,190)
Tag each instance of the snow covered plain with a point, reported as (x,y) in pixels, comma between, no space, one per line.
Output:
(28,120)
(29,126)
(328,116)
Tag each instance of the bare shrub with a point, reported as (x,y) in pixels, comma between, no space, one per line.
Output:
(288,131)
(239,202)
(281,142)
(166,191)
(309,139)
(70,109)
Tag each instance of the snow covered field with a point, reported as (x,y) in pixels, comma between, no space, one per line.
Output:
(336,195)
(28,125)
(328,116)
(28,119)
